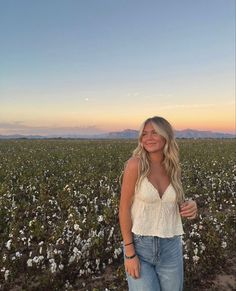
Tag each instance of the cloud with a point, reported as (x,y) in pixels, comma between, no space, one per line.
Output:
(13,125)
(17,127)
(204,105)
(133,94)
(187,106)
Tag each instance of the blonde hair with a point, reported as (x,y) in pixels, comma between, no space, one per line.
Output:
(171,155)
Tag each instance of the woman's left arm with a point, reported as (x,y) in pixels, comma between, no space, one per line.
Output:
(188,209)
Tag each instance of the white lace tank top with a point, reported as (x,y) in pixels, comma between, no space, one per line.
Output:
(155,215)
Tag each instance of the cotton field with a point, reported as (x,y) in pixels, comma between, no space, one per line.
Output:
(59,201)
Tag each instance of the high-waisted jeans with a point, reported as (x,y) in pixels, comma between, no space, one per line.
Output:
(161,261)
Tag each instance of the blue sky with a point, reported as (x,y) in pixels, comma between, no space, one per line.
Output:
(93,66)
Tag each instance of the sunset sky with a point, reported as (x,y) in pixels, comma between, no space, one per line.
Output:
(90,66)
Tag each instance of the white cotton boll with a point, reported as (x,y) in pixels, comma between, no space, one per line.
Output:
(35,259)
(111,233)
(108,202)
(53,265)
(29,262)
(76,227)
(191,233)
(49,253)
(224,244)
(67,188)
(97,263)
(67,284)
(195,251)
(8,244)
(100,218)
(195,259)
(78,239)
(58,241)
(101,233)
(61,267)
(71,259)
(6,275)
(87,264)
(93,233)
(203,247)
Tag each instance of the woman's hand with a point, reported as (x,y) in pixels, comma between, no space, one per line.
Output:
(188,209)
(132,267)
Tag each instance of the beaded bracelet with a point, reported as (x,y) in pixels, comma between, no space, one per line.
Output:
(129,244)
(130,257)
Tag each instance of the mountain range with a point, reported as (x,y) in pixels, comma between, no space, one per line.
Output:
(125,134)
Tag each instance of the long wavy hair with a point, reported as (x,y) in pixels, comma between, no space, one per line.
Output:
(170,151)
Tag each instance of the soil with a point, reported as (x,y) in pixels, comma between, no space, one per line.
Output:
(223,280)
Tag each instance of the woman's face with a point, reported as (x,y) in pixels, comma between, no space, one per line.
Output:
(151,140)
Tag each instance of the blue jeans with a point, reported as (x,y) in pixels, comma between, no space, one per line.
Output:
(161,261)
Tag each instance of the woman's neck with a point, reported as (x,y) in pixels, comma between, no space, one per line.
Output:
(156,159)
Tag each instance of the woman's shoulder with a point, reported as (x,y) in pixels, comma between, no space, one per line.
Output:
(133,163)
(132,166)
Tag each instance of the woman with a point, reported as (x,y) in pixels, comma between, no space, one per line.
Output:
(151,206)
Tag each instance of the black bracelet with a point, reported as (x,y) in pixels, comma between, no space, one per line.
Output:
(129,244)
(130,257)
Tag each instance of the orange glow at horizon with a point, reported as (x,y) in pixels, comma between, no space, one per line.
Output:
(216,117)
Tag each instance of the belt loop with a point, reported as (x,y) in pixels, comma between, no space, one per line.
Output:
(158,245)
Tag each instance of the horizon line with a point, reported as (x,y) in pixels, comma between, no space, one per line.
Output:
(233,133)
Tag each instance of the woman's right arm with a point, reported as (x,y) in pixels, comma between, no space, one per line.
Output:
(130,177)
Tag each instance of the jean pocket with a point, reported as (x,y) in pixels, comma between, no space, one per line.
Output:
(137,237)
